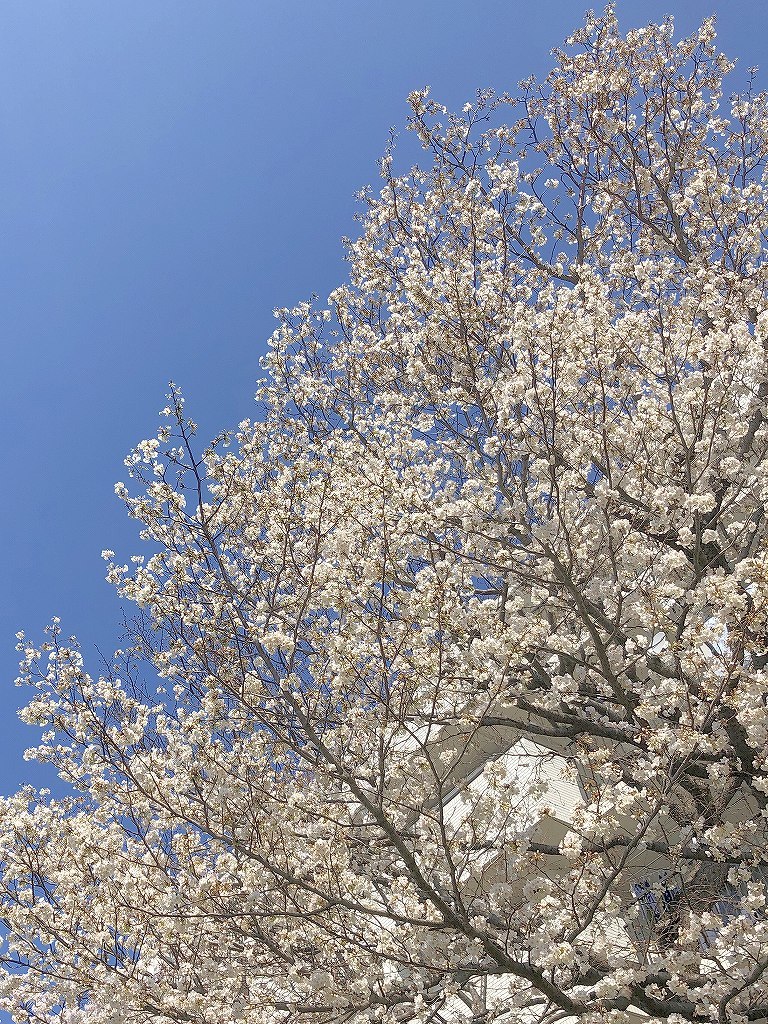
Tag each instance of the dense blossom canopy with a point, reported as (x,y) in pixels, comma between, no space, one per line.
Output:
(496,536)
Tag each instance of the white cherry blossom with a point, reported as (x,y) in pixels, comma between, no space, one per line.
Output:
(446,692)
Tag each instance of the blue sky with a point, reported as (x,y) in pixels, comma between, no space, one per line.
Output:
(171,171)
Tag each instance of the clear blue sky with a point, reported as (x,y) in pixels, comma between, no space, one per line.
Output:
(171,171)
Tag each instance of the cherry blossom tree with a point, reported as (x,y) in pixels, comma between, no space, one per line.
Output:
(461,643)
